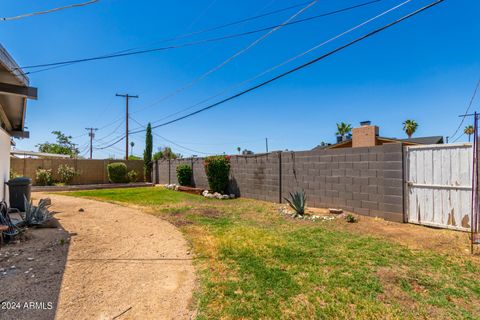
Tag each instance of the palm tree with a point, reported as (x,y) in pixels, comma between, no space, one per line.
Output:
(239,149)
(469,130)
(410,126)
(343,129)
(132,144)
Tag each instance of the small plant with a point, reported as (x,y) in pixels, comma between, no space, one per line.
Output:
(14,174)
(350,218)
(132,176)
(43,177)
(298,202)
(117,172)
(35,215)
(184,174)
(217,169)
(66,173)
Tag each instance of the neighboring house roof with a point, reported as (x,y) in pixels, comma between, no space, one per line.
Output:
(425,140)
(14,92)
(411,141)
(38,154)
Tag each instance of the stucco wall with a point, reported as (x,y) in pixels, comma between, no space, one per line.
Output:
(4,162)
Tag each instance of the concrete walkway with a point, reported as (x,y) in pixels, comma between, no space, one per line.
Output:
(122,262)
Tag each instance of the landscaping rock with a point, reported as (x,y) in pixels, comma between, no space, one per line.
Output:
(232,196)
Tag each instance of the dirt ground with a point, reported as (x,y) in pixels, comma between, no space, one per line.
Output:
(415,237)
(105,262)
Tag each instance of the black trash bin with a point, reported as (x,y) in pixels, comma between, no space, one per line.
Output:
(19,188)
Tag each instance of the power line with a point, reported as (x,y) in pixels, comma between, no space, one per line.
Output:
(303,65)
(110,145)
(194,22)
(170,141)
(238,53)
(188,44)
(284,62)
(49,11)
(466,111)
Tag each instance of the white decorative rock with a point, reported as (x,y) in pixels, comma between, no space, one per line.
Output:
(225,196)
(232,196)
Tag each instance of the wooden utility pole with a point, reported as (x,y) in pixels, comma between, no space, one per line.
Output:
(127,97)
(91,134)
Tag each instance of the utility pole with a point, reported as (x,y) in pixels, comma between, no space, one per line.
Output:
(266,144)
(91,134)
(127,97)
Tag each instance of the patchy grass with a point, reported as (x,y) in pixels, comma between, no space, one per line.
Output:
(255,264)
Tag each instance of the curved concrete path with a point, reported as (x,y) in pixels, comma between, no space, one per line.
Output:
(122,264)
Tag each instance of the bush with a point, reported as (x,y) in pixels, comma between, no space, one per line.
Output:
(217,169)
(66,173)
(132,176)
(43,177)
(117,172)
(350,218)
(14,174)
(184,175)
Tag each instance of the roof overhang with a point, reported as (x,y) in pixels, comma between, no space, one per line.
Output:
(14,92)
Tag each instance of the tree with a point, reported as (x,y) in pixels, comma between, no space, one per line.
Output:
(165,154)
(132,144)
(247,152)
(239,150)
(410,126)
(469,130)
(343,129)
(147,154)
(63,145)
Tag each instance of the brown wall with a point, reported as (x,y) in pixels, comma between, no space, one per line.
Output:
(90,171)
(367,181)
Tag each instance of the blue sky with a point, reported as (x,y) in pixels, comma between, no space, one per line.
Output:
(424,69)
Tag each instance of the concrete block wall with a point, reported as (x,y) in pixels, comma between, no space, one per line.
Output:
(367,181)
(90,171)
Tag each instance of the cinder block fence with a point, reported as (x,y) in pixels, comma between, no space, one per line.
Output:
(367,181)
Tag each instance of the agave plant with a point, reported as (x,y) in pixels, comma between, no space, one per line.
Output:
(297,202)
(35,215)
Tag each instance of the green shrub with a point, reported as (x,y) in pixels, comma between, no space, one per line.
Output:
(14,174)
(43,177)
(66,173)
(117,172)
(350,218)
(184,174)
(217,169)
(132,176)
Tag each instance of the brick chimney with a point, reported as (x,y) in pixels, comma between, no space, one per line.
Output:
(365,135)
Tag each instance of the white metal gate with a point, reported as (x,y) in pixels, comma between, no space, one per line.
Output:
(438,185)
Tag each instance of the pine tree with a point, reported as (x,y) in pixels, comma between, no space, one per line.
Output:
(147,154)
